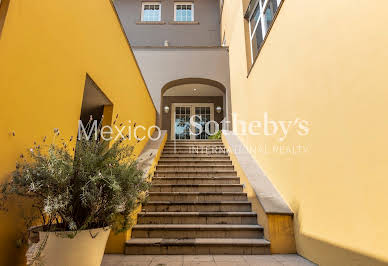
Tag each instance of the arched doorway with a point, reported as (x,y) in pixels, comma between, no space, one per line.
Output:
(184,98)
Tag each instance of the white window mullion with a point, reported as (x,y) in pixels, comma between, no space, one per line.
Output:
(184,7)
(262,19)
(258,15)
(154,12)
(250,39)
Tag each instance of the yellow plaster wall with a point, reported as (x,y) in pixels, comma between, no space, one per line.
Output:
(278,228)
(46,49)
(325,62)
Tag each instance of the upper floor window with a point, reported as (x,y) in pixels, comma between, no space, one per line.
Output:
(260,20)
(151,11)
(184,11)
(3,13)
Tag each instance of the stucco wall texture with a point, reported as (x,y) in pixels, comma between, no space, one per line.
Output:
(162,65)
(325,64)
(204,33)
(46,49)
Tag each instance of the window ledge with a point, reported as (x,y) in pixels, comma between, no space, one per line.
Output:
(184,22)
(150,22)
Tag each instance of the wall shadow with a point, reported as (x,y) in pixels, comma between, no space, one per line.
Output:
(324,253)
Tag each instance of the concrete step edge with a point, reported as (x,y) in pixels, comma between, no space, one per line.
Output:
(198,185)
(198,193)
(197,202)
(196,171)
(199,214)
(202,227)
(196,177)
(198,242)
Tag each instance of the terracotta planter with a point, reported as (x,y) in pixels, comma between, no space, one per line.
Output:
(85,249)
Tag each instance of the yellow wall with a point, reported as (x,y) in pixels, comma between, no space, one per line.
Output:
(46,49)
(325,62)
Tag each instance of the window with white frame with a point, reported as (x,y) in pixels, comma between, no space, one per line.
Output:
(184,12)
(260,19)
(151,11)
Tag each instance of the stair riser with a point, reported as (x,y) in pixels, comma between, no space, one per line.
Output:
(198,198)
(162,233)
(201,142)
(196,189)
(193,250)
(196,220)
(195,146)
(195,163)
(196,154)
(197,159)
(197,207)
(195,181)
(194,168)
(195,174)
(197,149)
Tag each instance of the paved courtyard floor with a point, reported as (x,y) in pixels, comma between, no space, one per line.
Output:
(205,260)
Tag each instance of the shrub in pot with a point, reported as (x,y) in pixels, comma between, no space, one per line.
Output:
(79,198)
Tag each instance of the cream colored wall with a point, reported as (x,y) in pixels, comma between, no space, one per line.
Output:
(325,62)
(46,49)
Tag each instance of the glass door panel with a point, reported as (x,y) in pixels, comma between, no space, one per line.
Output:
(202,117)
(182,122)
(181,128)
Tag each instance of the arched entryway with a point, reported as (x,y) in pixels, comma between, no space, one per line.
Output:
(183,98)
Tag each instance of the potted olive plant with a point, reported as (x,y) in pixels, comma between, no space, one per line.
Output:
(78,196)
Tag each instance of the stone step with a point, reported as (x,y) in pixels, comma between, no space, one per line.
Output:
(197,188)
(182,206)
(195,180)
(194,147)
(215,144)
(197,231)
(182,167)
(194,157)
(197,149)
(195,173)
(197,246)
(197,196)
(195,152)
(197,218)
(193,141)
(203,162)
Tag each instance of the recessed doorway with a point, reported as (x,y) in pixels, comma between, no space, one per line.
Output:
(190,120)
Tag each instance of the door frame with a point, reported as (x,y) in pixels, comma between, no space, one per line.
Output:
(192,112)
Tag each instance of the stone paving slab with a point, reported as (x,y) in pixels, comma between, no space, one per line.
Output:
(205,260)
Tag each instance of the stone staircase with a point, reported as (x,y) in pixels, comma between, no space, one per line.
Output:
(196,206)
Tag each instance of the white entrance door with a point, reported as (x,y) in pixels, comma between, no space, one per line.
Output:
(180,120)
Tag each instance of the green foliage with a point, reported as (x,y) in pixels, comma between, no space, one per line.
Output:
(216,136)
(97,187)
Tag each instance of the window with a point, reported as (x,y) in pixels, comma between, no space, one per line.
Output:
(3,13)
(151,11)
(184,12)
(259,22)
